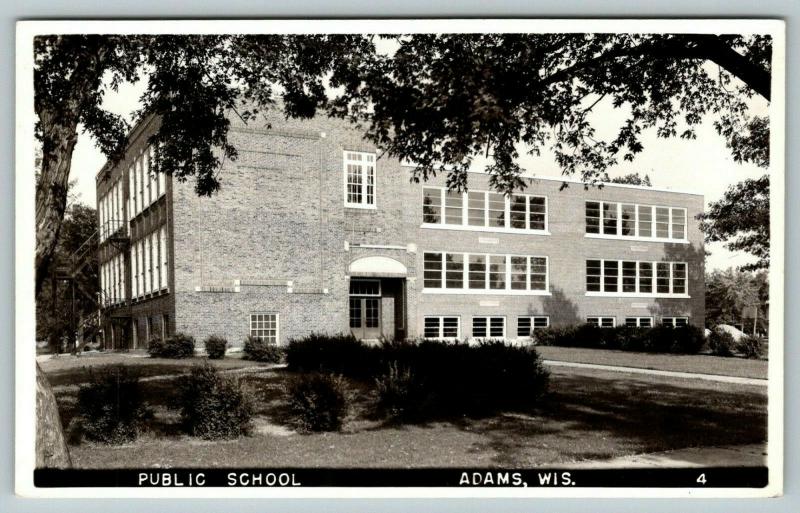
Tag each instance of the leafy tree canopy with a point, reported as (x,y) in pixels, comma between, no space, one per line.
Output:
(633,179)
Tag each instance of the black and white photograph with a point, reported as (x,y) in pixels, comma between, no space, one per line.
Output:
(487,257)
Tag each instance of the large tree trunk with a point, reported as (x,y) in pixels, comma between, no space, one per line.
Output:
(60,135)
(51,448)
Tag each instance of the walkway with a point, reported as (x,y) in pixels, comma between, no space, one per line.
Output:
(653,372)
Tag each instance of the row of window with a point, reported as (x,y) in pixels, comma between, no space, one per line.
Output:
(484,272)
(636,277)
(635,221)
(449,327)
(149,257)
(145,187)
(110,211)
(112,281)
(484,209)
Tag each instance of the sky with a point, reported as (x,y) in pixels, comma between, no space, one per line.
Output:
(703,165)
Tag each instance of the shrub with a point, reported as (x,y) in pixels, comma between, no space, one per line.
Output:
(110,407)
(214,406)
(721,342)
(215,347)
(659,339)
(340,354)
(260,350)
(400,394)
(179,345)
(318,402)
(749,346)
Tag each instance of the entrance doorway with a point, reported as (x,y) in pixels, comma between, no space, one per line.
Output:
(365,309)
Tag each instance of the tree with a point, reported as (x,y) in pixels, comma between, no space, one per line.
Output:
(741,219)
(54,314)
(633,179)
(734,295)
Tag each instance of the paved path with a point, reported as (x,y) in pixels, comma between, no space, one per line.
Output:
(669,374)
(751,455)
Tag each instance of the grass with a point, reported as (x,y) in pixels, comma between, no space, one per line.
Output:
(701,364)
(588,415)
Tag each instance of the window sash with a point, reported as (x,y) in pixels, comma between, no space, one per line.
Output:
(442,327)
(484,209)
(484,272)
(488,327)
(602,321)
(631,220)
(526,325)
(675,322)
(636,277)
(265,326)
(639,322)
(359,177)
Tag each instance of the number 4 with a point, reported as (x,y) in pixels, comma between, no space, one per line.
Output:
(702,479)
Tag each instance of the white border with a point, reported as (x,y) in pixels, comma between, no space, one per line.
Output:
(25,237)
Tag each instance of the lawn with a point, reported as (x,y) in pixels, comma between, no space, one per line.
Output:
(588,415)
(701,364)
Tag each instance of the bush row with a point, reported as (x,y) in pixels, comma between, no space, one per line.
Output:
(111,408)
(722,343)
(659,339)
(428,378)
(181,345)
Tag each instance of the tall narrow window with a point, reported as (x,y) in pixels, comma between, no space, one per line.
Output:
(497,210)
(454,271)
(359,179)
(162,186)
(164,253)
(519,273)
(453,211)
(538,212)
(476,208)
(662,222)
(645,277)
(610,275)
(517,212)
(593,275)
(628,276)
(678,223)
(432,270)
(147,268)
(431,205)
(134,271)
(592,217)
(662,277)
(538,273)
(679,278)
(628,220)
(645,221)
(477,272)
(140,175)
(131,193)
(497,272)
(609,218)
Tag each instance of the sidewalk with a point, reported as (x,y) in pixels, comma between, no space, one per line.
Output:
(732,456)
(653,372)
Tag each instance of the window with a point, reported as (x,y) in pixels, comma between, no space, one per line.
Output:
(603,276)
(463,272)
(432,270)
(629,220)
(489,327)
(264,326)
(442,327)
(528,324)
(162,187)
(135,270)
(165,325)
(431,205)
(675,322)
(602,322)
(359,171)
(483,210)
(164,250)
(147,267)
(365,287)
(639,322)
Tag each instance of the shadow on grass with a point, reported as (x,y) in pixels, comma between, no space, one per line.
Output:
(646,416)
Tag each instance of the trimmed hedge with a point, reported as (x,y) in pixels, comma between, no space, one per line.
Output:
(440,378)
(179,345)
(111,408)
(750,346)
(260,350)
(214,406)
(659,339)
(215,347)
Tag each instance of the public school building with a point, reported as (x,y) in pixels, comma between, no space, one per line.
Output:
(313,232)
